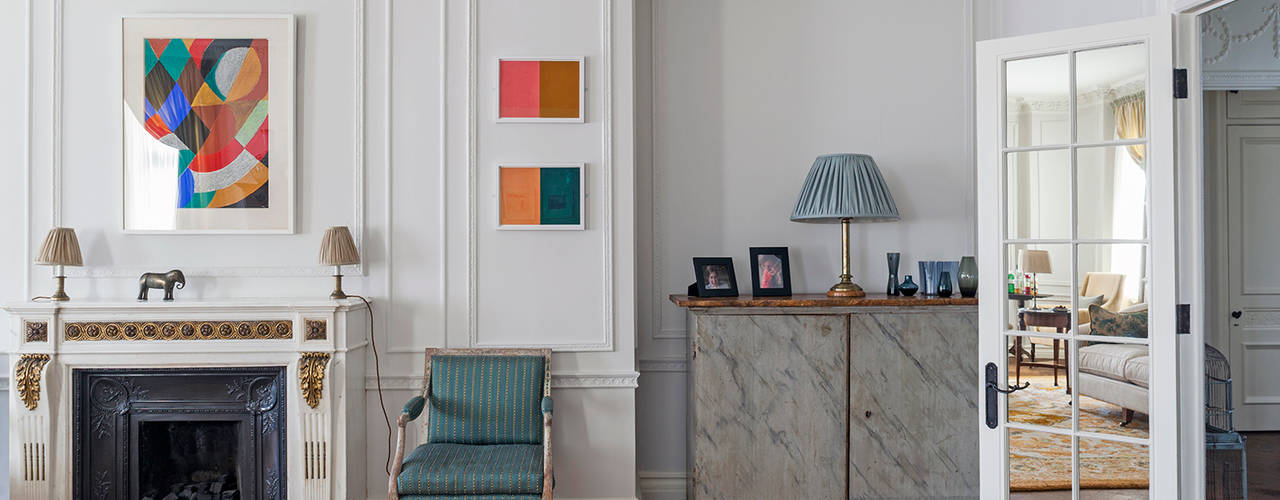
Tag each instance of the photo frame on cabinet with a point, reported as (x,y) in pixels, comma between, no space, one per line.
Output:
(542,196)
(541,90)
(208,124)
(715,277)
(770,272)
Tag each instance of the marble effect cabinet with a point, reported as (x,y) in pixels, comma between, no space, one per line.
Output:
(810,397)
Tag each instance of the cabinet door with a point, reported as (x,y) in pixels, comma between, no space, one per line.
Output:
(770,402)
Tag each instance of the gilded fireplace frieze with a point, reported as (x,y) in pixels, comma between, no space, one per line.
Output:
(178,330)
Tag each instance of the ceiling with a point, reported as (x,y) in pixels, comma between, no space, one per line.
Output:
(1046,77)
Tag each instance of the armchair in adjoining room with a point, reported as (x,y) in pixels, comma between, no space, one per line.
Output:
(487,424)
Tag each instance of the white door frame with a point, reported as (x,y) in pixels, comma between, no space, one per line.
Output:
(1158,34)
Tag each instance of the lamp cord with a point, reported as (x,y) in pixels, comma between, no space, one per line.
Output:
(377,369)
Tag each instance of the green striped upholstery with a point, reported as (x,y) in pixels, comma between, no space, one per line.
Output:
(462,469)
(486,399)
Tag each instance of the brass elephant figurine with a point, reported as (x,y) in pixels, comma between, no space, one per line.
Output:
(168,281)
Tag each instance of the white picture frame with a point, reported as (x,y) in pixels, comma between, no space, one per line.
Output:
(581,93)
(499,195)
(152,191)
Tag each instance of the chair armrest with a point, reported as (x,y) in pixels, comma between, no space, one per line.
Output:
(548,481)
(411,410)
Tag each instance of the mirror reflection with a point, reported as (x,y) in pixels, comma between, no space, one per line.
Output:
(1037,93)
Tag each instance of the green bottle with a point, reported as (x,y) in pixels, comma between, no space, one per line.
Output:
(1011,285)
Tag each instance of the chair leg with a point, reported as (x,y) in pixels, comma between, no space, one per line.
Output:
(1128,417)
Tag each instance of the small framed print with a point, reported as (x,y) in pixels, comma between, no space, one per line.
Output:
(541,196)
(770,272)
(541,89)
(715,277)
(208,121)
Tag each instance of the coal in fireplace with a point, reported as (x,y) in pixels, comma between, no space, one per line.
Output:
(180,434)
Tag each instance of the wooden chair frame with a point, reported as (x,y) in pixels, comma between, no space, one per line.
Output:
(403,420)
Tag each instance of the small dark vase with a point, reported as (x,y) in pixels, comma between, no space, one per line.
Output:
(908,287)
(968,278)
(894,258)
(944,284)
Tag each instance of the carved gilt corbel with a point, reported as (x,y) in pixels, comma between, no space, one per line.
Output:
(311,368)
(27,378)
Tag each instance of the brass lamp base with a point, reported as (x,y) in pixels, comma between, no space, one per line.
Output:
(61,294)
(337,288)
(846,288)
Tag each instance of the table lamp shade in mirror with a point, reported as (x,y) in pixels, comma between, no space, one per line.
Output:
(61,249)
(338,249)
(845,188)
(1035,262)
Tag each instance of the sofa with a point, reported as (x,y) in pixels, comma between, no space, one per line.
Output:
(1116,373)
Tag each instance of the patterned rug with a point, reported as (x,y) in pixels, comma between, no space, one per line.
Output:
(1040,461)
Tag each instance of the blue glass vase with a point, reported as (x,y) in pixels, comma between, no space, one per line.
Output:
(908,287)
(944,284)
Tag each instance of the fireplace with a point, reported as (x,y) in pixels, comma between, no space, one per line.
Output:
(170,434)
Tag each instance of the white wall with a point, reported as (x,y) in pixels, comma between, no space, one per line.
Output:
(1003,18)
(396,140)
(743,96)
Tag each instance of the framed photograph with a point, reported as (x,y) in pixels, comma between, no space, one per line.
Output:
(715,277)
(541,89)
(208,124)
(541,196)
(770,272)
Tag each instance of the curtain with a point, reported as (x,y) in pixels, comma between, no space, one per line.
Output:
(1131,122)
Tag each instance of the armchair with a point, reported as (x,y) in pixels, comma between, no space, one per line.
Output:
(483,440)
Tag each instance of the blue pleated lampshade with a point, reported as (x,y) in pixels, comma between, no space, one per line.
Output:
(845,186)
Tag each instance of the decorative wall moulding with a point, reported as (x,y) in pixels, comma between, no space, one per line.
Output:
(674,365)
(1240,80)
(585,380)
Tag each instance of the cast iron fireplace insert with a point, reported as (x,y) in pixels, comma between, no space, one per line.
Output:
(190,433)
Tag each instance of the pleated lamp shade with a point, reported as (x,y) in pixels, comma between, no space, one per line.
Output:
(61,248)
(845,186)
(1035,261)
(338,248)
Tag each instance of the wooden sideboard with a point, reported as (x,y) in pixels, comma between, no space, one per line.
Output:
(816,397)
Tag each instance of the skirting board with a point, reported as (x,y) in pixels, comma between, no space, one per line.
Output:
(662,485)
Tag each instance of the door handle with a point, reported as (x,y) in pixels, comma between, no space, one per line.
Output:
(1235,314)
(993,391)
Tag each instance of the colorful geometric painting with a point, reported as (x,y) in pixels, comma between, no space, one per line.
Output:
(540,196)
(531,90)
(207,98)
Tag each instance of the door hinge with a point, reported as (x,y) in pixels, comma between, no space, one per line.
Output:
(1179,83)
(1184,319)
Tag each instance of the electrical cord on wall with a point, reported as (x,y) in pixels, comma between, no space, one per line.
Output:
(377,369)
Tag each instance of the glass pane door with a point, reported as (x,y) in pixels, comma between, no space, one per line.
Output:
(1075,257)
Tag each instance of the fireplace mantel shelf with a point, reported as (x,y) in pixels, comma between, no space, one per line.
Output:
(319,342)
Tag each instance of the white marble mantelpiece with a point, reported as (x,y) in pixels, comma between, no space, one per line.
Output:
(333,334)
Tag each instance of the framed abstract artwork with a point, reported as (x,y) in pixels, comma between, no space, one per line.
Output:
(541,196)
(541,89)
(208,124)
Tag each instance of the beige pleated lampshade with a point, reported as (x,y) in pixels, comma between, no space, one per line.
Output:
(61,248)
(1035,261)
(337,248)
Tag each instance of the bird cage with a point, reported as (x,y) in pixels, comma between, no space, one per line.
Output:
(1224,447)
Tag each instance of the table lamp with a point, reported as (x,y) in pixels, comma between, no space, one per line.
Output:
(61,249)
(337,249)
(1034,262)
(845,188)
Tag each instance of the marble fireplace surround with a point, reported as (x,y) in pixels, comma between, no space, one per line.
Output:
(319,342)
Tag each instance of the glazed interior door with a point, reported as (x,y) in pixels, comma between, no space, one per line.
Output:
(1076,172)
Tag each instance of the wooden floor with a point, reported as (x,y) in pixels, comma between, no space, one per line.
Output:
(1263,455)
